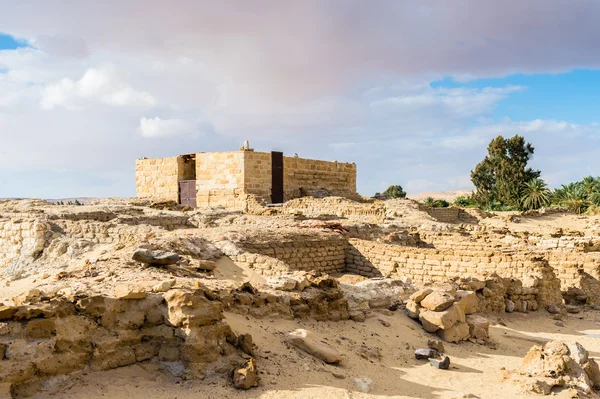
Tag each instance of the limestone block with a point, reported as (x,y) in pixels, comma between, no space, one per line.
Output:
(456,333)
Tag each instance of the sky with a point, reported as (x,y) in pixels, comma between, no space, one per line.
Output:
(412,92)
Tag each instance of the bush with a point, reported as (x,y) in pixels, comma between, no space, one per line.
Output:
(395,192)
(463,202)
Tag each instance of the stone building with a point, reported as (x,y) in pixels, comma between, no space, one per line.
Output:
(228,178)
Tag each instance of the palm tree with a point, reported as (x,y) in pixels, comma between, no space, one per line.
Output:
(590,185)
(429,201)
(576,200)
(535,194)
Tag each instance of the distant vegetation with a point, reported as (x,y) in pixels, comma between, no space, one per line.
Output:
(76,202)
(395,192)
(503,182)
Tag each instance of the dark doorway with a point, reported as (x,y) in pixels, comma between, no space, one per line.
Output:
(277,177)
(187,193)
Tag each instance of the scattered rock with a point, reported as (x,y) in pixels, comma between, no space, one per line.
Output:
(509,306)
(425,353)
(553,309)
(559,324)
(164,286)
(130,291)
(153,258)
(244,342)
(246,377)
(206,265)
(436,344)
(478,327)
(442,363)
(363,383)
(572,309)
(437,301)
(308,342)
(413,309)
(558,364)
(385,323)
(2,350)
(357,315)
(575,296)
(418,296)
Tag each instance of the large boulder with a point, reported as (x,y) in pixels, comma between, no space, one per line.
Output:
(558,364)
(433,321)
(309,343)
(437,301)
(246,377)
(456,333)
(478,327)
(467,300)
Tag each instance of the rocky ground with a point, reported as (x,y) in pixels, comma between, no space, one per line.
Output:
(128,298)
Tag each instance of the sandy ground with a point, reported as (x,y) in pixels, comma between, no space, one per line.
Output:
(288,373)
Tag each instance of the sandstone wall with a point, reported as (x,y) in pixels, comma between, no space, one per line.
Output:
(60,336)
(158,178)
(309,177)
(336,206)
(324,254)
(220,179)
(257,174)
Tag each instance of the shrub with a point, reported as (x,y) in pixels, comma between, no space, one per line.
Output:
(395,192)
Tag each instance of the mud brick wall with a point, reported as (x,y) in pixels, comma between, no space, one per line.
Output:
(283,256)
(426,265)
(257,174)
(335,206)
(303,177)
(220,179)
(158,178)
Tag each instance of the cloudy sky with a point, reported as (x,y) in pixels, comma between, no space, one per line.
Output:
(410,91)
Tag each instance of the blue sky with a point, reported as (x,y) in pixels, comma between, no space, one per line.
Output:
(411,92)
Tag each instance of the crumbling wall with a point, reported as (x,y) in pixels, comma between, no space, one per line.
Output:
(61,336)
(278,257)
(336,206)
(220,179)
(158,178)
(309,177)
(21,242)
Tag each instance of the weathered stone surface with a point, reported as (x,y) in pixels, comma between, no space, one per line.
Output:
(572,309)
(40,328)
(164,286)
(190,309)
(156,257)
(2,350)
(478,327)
(27,297)
(444,319)
(246,377)
(413,309)
(7,312)
(593,372)
(309,343)
(418,296)
(130,291)
(509,306)
(245,343)
(437,301)
(456,333)
(282,283)
(467,300)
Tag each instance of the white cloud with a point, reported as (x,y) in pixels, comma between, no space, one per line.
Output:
(156,127)
(97,84)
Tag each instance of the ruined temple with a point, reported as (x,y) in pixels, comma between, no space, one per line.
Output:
(228,178)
